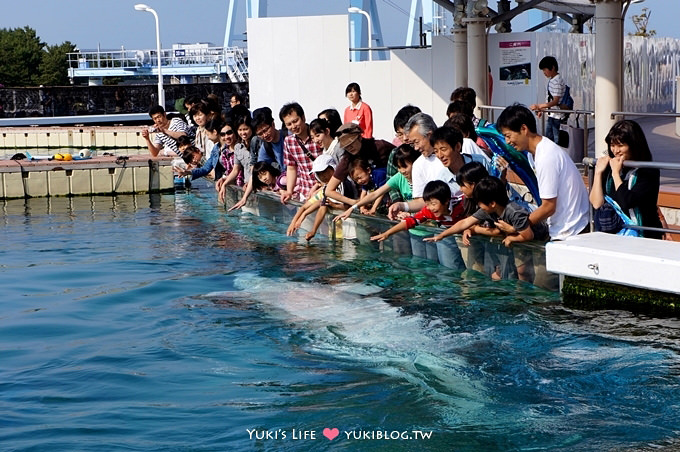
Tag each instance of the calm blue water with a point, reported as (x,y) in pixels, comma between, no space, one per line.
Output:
(161,324)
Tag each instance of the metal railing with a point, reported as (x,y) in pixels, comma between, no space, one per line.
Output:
(590,162)
(586,114)
(623,114)
(232,59)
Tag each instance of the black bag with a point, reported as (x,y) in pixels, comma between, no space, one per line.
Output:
(608,220)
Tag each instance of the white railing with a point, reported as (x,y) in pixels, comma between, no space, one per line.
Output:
(230,60)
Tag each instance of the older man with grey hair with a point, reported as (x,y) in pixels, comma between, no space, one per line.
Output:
(426,168)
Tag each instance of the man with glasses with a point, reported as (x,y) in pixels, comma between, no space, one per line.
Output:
(271,150)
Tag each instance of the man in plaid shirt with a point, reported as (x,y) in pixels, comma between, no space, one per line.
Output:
(299,151)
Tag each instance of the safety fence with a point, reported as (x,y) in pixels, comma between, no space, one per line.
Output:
(97,100)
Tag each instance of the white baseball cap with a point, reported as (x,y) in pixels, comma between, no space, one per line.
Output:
(322,162)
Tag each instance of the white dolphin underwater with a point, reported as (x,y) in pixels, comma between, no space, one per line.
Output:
(350,321)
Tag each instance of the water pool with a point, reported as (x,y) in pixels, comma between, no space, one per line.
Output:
(156,323)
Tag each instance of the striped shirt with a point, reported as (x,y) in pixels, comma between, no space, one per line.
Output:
(168,143)
(556,87)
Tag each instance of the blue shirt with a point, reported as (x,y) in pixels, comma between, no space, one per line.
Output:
(208,165)
(378,179)
(277,147)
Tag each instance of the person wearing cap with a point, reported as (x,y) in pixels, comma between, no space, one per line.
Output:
(375,152)
(322,170)
(299,152)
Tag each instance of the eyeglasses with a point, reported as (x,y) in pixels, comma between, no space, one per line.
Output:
(264,130)
(226,133)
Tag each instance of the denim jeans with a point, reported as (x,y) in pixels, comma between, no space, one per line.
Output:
(552,129)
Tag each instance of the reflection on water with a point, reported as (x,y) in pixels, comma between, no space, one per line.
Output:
(163,323)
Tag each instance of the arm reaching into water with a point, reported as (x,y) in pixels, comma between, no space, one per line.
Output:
(457,228)
(248,189)
(320,215)
(401,226)
(362,202)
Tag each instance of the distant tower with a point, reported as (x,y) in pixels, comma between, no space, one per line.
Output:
(359,30)
(254,9)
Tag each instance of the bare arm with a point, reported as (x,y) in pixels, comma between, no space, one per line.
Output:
(545,210)
(242,202)
(153,149)
(457,228)
(401,226)
(291,179)
(320,215)
(413,205)
(521,236)
(231,177)
(596,195)
(331,192)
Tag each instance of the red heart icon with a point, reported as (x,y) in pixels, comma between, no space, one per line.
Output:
(331,433)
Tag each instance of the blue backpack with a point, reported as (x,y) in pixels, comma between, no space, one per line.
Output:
(567,102)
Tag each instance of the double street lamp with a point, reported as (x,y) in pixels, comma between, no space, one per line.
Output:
(161,91)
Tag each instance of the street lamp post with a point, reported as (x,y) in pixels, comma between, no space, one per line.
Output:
(161,91)
(355,10)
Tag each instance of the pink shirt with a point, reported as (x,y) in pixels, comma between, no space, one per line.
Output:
(362,115)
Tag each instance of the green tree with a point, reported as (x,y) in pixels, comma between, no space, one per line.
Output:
(20,55)
(54,65)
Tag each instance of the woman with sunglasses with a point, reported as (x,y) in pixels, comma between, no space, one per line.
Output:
(212,131)
(234,161)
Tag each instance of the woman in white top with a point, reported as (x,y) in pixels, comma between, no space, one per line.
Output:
(201,114)
(321,135)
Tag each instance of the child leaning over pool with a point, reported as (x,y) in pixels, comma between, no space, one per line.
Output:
(495,208)
(265,176)
(323,169)
(440,208)
(403,159)
(369,180)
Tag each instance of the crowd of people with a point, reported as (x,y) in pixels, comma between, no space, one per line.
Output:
(444,176)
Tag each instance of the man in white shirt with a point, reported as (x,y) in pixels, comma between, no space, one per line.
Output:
(426,168)
(564,198)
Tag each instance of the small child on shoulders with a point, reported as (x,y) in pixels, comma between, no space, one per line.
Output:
(440,208)
(368,180)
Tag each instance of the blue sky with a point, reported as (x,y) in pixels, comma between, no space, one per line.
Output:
(115,23)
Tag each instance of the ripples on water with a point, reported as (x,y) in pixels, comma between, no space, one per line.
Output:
(160,323)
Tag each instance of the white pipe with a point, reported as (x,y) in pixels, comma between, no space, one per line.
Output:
(354,9)
(608,68)
(460,58)
(478,71)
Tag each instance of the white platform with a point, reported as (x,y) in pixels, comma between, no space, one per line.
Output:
(631,261)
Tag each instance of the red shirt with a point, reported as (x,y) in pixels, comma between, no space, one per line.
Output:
(361,115)
(455,214)
(294,155)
